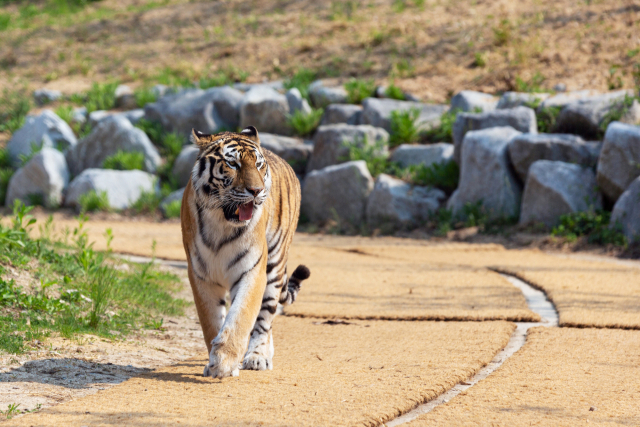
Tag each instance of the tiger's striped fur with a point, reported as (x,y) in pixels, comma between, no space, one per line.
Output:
(234,178)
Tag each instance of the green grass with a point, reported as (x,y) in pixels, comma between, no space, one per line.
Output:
(394,92)
(101,96)
(547,117)
(172,210)
(6,172)
(444,176)
(144,95)
(149,202)
(305,124)
(403,127)
(358,90)
(125,161)
(93,201)
(169,145)
(471,215)
(75,289)
(534,85)
(301,80)
(595,225)
(443,132)
(618,109)
(14,107)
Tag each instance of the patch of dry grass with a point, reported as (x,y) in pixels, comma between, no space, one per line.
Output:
(430,48)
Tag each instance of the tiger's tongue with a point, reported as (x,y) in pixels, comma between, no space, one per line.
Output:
(246,211)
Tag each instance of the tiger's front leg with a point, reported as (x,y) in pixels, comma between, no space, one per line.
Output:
(228,347)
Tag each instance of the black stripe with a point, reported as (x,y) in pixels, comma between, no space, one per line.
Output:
(271,248)
(202,166)
(270,308)
(275,279)
(262,330)
(238,258)
(243,274)
(239,232)
(267,299)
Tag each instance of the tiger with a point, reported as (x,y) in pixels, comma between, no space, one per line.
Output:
(239,212)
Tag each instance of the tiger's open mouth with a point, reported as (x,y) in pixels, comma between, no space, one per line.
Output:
(242,212)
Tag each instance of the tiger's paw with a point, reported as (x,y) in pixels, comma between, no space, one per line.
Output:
(219,366)
(257,362)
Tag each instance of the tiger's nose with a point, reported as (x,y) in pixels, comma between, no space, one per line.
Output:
(255,190)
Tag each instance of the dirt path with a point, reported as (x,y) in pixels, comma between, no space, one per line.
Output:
(363,371)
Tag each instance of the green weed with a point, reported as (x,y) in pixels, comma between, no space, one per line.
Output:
(479,59)
(394,92)
(101,96)
(502,33)
(444,176)
(372,154)
(615,113)
(301,80)
(5,20)
(172,210)
(547,117)
(93,201)
(148,202)
(305,124)
(343,9)
(14,107)
(144,95)
(358,90)
(403,127)
(595,225)
(534,85)
(444,131)
(124,161)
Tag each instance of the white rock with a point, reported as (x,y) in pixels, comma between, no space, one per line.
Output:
(339,190)
(125,97)
(377,112)
(520,99)
(123,188)
(558,188)
(111,135)
(44,130)
(394,203)
(522,119)
(527,148)
(321,95)
(486,175)
(293,150)
(414,154)
(183,165)
(297,102)
(330,143)
(342,113)
(45,96)
(470,101)
(626,211)
(265,109)
(619,162)
(46,174)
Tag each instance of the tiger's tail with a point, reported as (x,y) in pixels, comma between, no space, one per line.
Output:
(291,289)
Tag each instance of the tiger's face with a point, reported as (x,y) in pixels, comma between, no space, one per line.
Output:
(231,174)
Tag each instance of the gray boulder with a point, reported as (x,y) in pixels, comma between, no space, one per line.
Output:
(557,188)
(123,188)
(340,190)
(585,117)
(394,203)
(207,111)
(470,101)
(381,92)
(45,130)
(330,143)
(110,136)
(174,196)
(626,211)
(321,95)
(265,109)
(619,162)
(527,148)
(414,154)
(46,175)
(520,99)
(377,112)
(632,115)
(125,97)
(293,150)
(134,116)
(183,165)
(486,175)
(522,119)
(566,98)
(342,113)
(297,102)
(79,115)
(97,116)
(160,90)
(45,96)
(246,87)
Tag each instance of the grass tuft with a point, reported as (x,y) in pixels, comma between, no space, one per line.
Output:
(403,127)
(301,80)
(358,90)
(305,124)
(172,210)
(14,107)
(596,226)
(443,132)
(93,201)
(125,161)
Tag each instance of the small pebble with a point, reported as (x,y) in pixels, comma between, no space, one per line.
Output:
(593,408)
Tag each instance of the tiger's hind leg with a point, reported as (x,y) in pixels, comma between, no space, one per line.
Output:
(259,356)
(284,290)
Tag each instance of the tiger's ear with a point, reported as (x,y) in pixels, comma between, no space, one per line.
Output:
(200,139)
(251,133)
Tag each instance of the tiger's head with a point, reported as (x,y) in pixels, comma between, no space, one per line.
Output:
(231,174)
